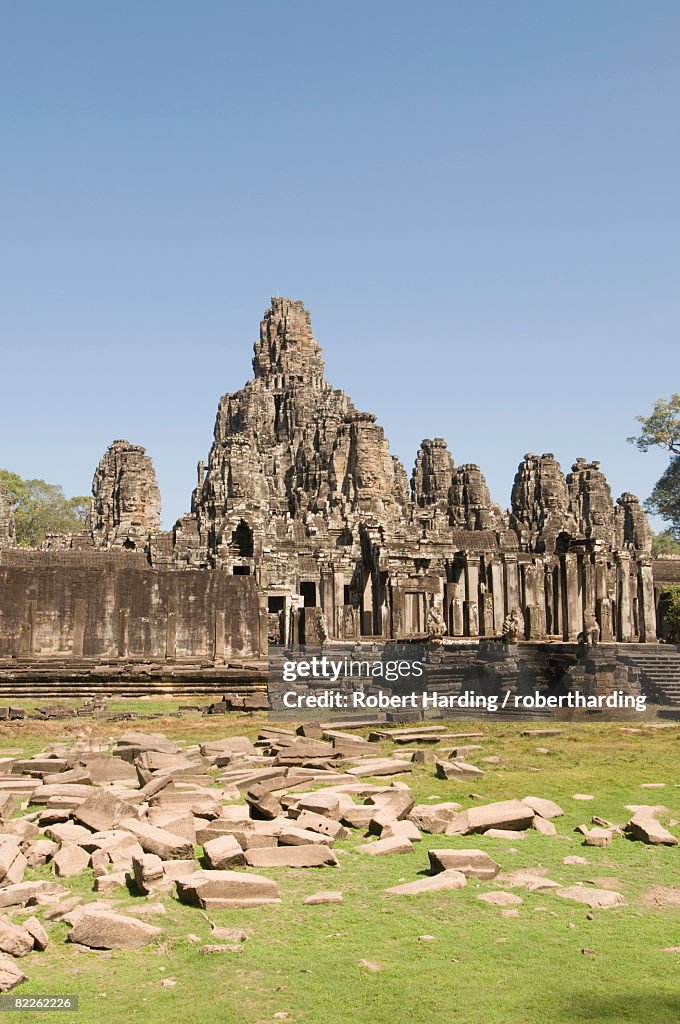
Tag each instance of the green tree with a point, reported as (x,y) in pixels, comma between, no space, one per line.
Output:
(665,544)
(662,429)
(41,508)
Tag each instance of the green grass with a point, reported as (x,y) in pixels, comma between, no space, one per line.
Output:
(482,968)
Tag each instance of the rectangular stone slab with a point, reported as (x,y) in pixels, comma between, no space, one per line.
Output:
(291,857)
(230,888)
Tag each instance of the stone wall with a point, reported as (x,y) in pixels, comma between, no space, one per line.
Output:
(94,605)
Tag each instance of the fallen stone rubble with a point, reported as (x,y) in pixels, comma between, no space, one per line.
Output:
(134,817)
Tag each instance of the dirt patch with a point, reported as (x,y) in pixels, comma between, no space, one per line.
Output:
(662,897)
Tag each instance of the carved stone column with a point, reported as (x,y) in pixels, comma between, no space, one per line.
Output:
(571,603)
(646,603)
(471,604)
(625,609)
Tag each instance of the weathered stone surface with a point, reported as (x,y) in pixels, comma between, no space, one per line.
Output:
(321,824)
(379,767)
(164,844)
(70,860)
(645,826)
(544,808)
(326,896)
(126,503)
(223,853)
(40,852)
(598,837)
(11,974)
(226,888)
(471,863)
(148,872)
(506,814)
(402,830)
(307,856)
(101,811)
(398,844)
(14,939)
(433,818)
(543,826)
(434,883)
(37,932)
(106,930)
(457,770)
(600,899)
(22,892)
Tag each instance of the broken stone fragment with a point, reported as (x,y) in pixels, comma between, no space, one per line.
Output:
(326,896)
(218,889)
(14,939)
(471,863)
(164,844)
(643,825)
(70,860)
(544,808)
(38,933)
(506,814)
(106,930)
(597,899)
(306,856)
(457,770)
(449,879)
(543,826)
(11,974)
(382,847)
(223,852)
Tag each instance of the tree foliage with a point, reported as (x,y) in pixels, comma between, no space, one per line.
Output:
(669,609)
(664,500)
(661,429)
(41,508)
(665,543)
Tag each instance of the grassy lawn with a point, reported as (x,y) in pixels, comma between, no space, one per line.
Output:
(480,968)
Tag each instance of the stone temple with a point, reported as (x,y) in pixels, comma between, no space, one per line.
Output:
(305,528)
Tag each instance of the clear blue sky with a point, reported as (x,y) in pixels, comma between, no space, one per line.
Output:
(478,202)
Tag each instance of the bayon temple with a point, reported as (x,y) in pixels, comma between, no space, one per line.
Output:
(304,528)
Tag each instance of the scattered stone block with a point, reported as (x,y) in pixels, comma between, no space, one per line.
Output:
(102,811)
(457,771)
(471,863)
(165,845)
(37,932)
(318,898)
(506,814)
(107,930)
(644,826)
(223,853)
(543,808)
(292,857)
(543,826)
(597,899)
(224,889)
(382,847)
(14,939)
(11,974)
(449,879)
(70,860)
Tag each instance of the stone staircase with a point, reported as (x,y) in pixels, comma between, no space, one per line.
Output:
(55,678)
(659,667)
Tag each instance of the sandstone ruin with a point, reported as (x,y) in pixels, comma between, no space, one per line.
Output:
(304,528)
